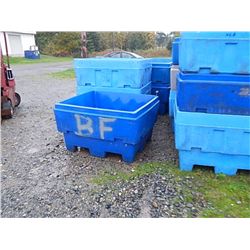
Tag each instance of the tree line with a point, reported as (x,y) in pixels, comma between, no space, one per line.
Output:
(69,43)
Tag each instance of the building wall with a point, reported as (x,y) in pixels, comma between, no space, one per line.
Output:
(2,43)
(26,40)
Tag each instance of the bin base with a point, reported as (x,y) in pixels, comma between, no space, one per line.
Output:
(100,148)
(222,163)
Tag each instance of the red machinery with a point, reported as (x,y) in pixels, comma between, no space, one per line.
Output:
(9,98)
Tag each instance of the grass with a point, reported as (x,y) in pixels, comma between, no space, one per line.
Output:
(224,192)
(65,74)
(107,177)
(228,195)
(43,59)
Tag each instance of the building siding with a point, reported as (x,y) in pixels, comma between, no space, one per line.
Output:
(27,40)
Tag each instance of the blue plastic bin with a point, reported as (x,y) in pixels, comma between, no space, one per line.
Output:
(219,141)
(215,52)
(32,54)
(214,93)
(146,89)
(112,72)
(161,90)
(175,50)
(107,122)
(163,108)
(161,70)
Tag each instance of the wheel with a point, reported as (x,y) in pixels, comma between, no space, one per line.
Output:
(17,99)
(9,108)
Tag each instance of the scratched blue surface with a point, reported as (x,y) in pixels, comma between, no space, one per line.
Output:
(112,72)
(214,93)
(215,52)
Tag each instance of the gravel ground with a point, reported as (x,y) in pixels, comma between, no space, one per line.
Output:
(39,178)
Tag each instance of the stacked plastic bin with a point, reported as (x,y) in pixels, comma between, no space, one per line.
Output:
(173,78)
(113,111)
(160,79)
(116,74)
(212,109)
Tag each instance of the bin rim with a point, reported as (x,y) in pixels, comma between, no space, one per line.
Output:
(62,104)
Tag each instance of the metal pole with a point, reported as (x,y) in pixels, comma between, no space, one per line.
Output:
(6,48)
(113,44)
(84,53)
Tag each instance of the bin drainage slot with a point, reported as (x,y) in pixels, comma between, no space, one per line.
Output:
(203,110)
(196,149)
(219,130)
(205,70)
(231,43)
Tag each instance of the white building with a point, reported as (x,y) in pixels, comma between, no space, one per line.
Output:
(17,42)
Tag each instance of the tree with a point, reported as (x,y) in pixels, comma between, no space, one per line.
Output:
(70,43)
(106,40)
(93,41)
(64,44)
(140,40)
(43,39)
(161,39)
(121,38)
(150,40)
(134,40)
(170,38)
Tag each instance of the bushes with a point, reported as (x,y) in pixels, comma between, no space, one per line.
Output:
(61,44)
(69,43)
(154,53)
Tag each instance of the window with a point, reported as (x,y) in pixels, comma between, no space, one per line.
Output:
(126,55)
(115,55)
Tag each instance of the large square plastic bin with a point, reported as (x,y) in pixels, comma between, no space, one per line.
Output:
(107,122)
(161,70)
(215,52)
(175,50)
(161,90)
(146,89)
(215,140)
(112,72)
(214,93)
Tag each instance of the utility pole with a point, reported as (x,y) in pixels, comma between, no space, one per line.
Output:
(113,42)
(84,52)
